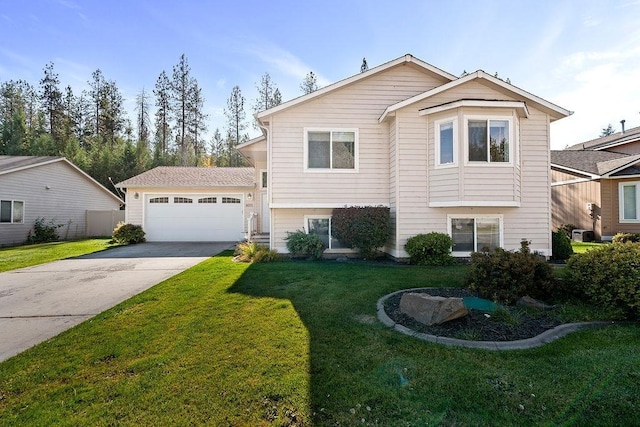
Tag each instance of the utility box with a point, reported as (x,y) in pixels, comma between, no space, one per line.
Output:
(582,235)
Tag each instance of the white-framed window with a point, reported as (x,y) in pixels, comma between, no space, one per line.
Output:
(489,140)
(473,233)
(264,182)
(330,150)
(446,137)
(629,201)
(12,211)
(321,225)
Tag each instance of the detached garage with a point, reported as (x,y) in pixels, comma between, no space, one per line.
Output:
(190,204)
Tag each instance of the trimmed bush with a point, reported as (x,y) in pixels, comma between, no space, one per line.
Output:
(626,237)
(303,245)
(430,249)
(44,231)
(567,229)
(506,276)
(561,246)
(254,252)
(364,228)
(609,276)
(127,234)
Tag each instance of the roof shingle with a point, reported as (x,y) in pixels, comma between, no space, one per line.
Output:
(184,176)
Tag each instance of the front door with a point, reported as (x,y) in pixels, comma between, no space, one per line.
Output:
(265,213)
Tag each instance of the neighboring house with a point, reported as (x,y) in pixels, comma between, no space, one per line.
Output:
(596,185)
(191,204)
(466,156)
(52,188)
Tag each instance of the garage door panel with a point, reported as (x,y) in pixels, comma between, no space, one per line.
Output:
(194,221)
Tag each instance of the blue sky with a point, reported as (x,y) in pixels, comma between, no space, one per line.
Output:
(582,55)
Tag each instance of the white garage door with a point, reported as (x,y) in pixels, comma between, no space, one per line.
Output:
(193,218)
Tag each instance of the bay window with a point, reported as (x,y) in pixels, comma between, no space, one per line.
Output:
(489,140)
(446,142)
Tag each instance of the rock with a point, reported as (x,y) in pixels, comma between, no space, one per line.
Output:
(527,301)
(431,310)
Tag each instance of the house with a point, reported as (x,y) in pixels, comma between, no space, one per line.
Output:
(596,185)
(191,204)
(52,188)
(466,156)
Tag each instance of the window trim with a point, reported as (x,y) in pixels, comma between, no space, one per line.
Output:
(12,211)
(512,140)
(436,131)
(499,217)
(264,179)
(621,186)
(329,217)
(356,146)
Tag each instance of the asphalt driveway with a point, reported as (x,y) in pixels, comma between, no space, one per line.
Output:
(37,303)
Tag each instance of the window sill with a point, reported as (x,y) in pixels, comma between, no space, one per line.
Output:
(330,171)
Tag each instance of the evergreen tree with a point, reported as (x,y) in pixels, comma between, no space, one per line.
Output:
(218,150)
(309,84)
(162,115)
(609,130)
(235,125)
(51,100)
(181,88)
(196,120)
(142,115)
(364,67)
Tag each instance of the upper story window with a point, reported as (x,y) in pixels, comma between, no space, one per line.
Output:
(489,140)
(334,150)
(12,211)
(628,195)
(446,135)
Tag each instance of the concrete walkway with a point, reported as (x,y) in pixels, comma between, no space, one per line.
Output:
(37,303)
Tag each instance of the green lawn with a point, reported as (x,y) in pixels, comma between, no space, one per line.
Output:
(28,255)
(297,343)
(582,247)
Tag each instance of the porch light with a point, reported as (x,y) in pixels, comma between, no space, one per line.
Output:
(249,197)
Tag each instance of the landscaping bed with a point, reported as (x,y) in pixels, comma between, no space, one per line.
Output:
(506,324)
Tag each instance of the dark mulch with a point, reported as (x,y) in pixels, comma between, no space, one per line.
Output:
(508,324)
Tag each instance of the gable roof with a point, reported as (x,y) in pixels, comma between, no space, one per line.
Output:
(11,164)
(606,142)
(406,59)
(556,112)
(185,176)
(593,163)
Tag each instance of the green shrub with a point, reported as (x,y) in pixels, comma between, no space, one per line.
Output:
(626,237)
(44,231)
(254,252)
(430,249)
(567,229)
(303,245)
(364,228)
(609,276)
(506,276)
(127,234)
(561,246)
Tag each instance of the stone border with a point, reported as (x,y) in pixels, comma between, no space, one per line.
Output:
(537,341)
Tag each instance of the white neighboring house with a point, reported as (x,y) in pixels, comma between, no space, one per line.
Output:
(466,156)
(191,204)
(52,188)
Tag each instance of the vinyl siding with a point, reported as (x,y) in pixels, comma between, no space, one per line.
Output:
(135,207)
(357,106)
(393,171)
(629,148)
(611,224)
(66,201)
(568,203)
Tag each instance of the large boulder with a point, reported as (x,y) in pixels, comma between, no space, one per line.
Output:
(431,310)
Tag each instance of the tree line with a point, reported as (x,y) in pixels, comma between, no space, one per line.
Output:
(93,130)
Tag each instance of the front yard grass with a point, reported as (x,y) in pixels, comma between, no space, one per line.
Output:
(298,343)
(582,247)
(29,255)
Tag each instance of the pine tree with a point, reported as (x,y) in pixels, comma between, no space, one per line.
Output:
(142,115)
(218,151)
(309,84)
(196,120)
(364,67)
(162,115)
(181,91)
(609,130)
(51,100)
(235,125)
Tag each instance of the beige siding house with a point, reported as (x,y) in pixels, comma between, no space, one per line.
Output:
(51,188)
(596,185)
(465,156)
(192,204)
